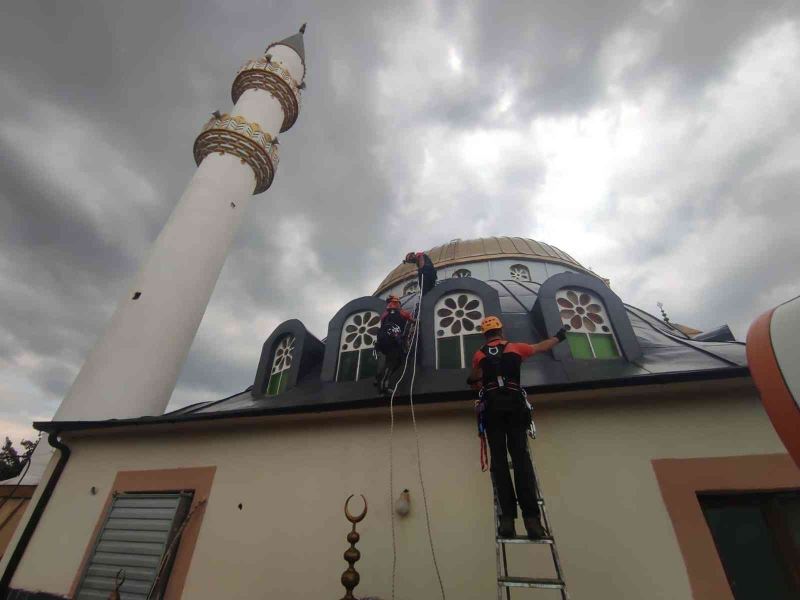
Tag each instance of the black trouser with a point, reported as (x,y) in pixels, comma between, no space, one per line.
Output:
(390,357)
(508,430)
(427,279)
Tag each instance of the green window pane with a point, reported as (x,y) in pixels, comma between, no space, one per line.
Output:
(746,542)
(579,345)
(604,345)
(472,343)
(277,383)
(348,364)
(274,383)
(449,353)
(284,380)
(369,364)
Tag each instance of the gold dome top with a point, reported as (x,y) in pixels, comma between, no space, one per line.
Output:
(482,249)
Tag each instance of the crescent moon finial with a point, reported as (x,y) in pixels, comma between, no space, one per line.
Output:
(350,517)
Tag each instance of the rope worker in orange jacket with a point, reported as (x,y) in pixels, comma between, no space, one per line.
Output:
(389,345)
(496,367)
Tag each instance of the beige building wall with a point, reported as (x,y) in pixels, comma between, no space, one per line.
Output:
(292,474)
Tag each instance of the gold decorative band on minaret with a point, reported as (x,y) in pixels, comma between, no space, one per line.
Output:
(273,77)
(237,136)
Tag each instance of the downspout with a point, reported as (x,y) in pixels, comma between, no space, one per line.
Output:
(30,526)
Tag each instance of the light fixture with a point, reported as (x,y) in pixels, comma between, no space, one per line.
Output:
(403,504)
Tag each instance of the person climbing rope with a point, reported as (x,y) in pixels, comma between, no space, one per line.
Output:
(505,415)
(389,344)
(426,273)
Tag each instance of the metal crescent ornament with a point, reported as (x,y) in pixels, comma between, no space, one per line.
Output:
(350,517)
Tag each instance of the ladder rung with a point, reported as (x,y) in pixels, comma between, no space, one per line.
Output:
(521,539)
(527,582)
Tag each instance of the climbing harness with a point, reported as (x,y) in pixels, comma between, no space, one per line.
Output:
(412,350)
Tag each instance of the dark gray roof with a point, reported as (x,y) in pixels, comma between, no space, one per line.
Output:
(667,356)
(295,42)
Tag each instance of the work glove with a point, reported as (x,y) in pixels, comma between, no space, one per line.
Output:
(561,334)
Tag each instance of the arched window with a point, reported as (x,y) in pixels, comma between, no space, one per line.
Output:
(458,336)
(412,287)
(589,331)
(356,354)
(520,273)
(462,273)
(281,362)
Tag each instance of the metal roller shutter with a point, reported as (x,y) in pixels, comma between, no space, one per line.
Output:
(137,532)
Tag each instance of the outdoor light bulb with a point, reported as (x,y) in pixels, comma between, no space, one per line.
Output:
(403,504)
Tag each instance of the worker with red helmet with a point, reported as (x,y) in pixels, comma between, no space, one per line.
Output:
(426,272)
(506,420)
(390,341)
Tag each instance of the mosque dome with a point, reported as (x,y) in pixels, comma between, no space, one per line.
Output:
(487,258)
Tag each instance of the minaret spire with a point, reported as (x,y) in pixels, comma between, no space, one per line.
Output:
(295,42)
(133,368)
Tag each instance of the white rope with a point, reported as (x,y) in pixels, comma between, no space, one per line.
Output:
(391,446)
(419,454)
(414,346)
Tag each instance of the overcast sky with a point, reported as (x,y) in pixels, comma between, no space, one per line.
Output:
(655,141)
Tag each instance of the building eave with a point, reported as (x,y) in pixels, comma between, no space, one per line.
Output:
(380,401)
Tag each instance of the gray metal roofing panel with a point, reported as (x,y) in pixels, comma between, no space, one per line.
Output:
(639,315)
(513,298)
(722,333)
(669,359)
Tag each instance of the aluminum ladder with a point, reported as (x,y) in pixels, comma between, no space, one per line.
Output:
(506,582)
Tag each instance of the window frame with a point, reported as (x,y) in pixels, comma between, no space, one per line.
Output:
(159,583)
(767,503)
(487,294)
(283,374)
(547,318)
(197,479)
(464,361)
(308,351)
(607,327)
(359,350)
(680,480)
(519,266)
(330,363)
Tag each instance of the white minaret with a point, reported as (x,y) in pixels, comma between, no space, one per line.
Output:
(133,368)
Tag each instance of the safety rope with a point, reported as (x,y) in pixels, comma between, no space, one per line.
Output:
(391,450)
(413,347)
(419,454)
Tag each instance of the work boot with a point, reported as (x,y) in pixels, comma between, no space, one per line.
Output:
(534,528)
(506,527)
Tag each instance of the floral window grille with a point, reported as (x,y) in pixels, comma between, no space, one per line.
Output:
(458,318)
(462,273)
(281,363)
(589,332)
(412,287)
(520,273)
(356,346)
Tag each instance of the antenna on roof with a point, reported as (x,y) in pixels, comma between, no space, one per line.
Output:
(663,312)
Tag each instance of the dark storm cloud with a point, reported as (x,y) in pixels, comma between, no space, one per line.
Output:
(422,122)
